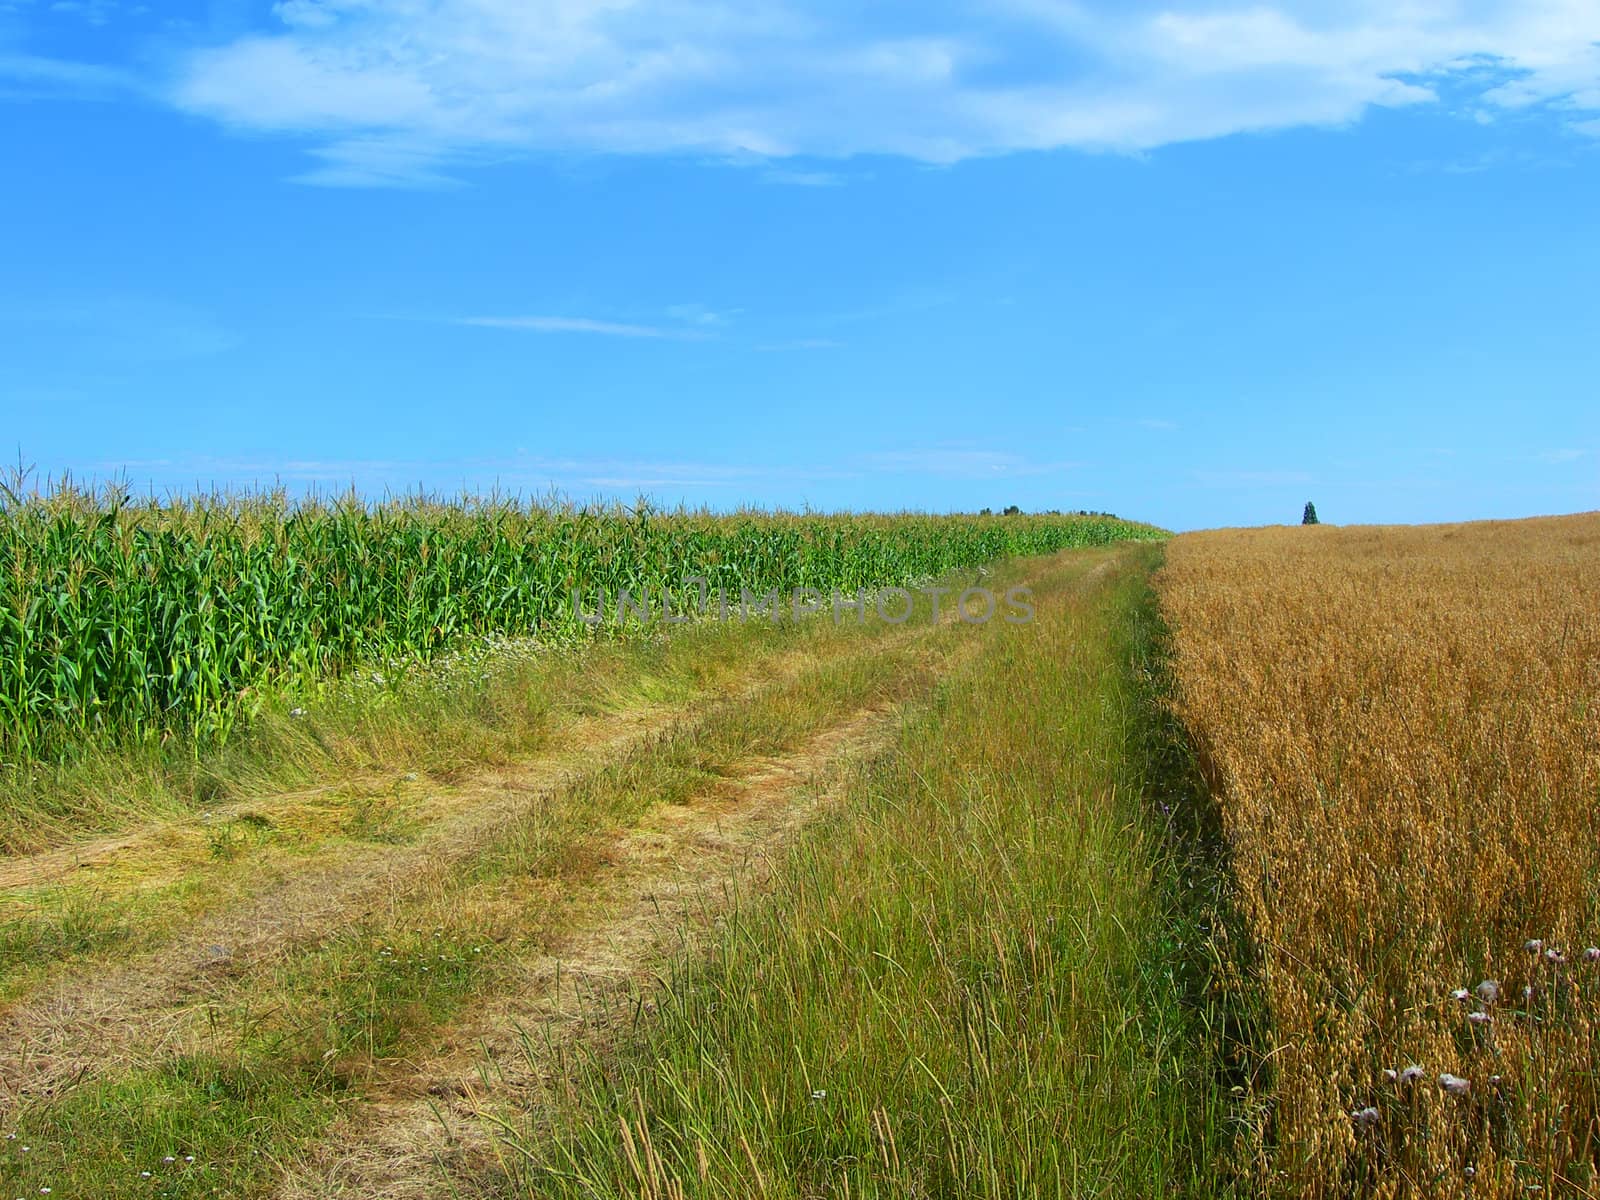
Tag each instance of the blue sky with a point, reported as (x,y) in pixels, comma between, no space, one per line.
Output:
(1191,262)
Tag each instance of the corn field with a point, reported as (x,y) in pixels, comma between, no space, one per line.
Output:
(1402,727)
(138,619)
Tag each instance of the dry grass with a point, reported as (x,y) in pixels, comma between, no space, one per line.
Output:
(1403,729)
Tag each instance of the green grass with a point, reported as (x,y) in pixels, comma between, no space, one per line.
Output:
(115,1132)
(967,983)
(358,743)
(289,1043)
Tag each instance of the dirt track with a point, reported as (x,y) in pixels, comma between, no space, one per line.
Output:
(666,880)
(419,1127)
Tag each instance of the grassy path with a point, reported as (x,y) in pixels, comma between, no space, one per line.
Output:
(829,910)
(245,1023)
(969,978)
(164,925)
(103,1013)
(422,1130)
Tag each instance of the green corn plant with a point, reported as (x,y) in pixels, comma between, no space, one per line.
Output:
(143,619)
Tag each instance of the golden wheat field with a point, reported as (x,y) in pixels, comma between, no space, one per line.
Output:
(1402,727)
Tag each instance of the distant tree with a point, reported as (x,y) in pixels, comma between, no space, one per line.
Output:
(1011,510)
(986,512)
(1310,517)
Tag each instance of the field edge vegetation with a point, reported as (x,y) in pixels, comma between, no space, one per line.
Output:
(979,975)
(152,651)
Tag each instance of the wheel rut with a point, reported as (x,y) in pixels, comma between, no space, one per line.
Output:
(428,1126)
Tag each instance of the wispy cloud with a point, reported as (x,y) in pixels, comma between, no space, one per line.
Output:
(524,472)
(384,161)
(42,74)
(961,463)
(397,92)
(575,325)
(1159,425)
(690,323)
(793,178)
(699,314)
(92,12)
(1562,456)
(799,344)
(533,474)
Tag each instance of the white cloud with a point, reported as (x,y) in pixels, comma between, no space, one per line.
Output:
(1159,425)
(379,162)
(399,90)
(1562,456)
